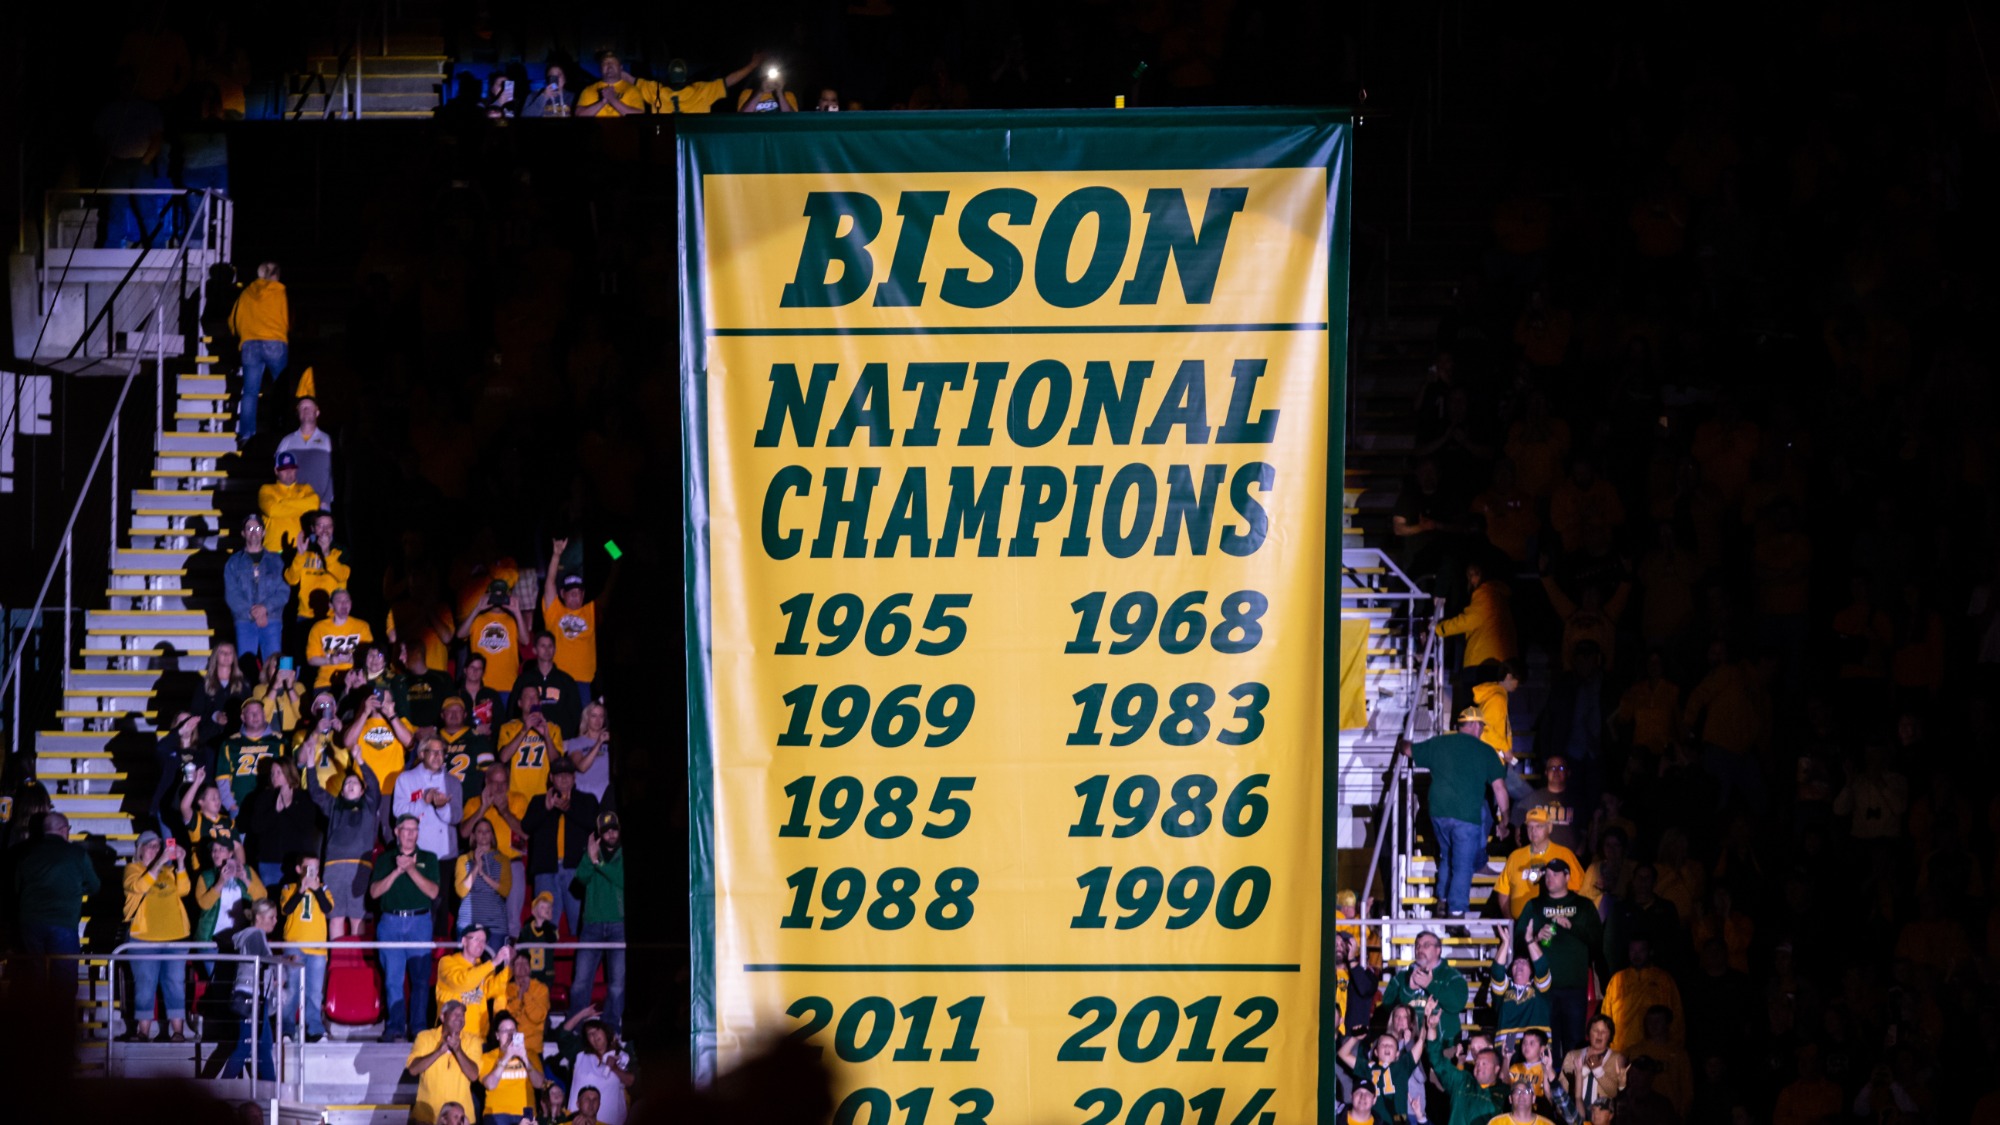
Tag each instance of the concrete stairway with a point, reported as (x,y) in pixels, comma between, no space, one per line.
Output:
(405,74)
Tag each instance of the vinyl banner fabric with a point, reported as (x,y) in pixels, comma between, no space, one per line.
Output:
(1011,667)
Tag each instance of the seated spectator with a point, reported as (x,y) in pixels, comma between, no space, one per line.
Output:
(538,934)
(573,619)
(312,448)
(679,95)
(285,503)
(254,586)
(554,99)
(317,570)
(829,100)
(770,96)
(353,812)
(332,643)
(156,880)
(261,321)
(499,101)
(554,688)
(494,629)
(446,1062)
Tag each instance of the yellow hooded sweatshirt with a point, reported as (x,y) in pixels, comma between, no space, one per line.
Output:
(1491,699)
(261,312)
(1488,624)
(282,505)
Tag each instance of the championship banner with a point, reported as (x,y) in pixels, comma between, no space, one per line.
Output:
(1011,660)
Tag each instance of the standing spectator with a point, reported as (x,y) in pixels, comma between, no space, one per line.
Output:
(1463,769)
(494,629)
(558,824)
(529,745)
(1521,1105)
(553,99)
(404,884)
(156,880)
(679,95)
(226,881)
(615,93)
(486,706)
(1429,977)
(221,692)
(253,583)
(770,96)
(1673,1076)
(602,876)
(316,571)
(331,643)
(512,1075)
(179,755)
(1634,990)
(262,323)
(1520,997)
(484,879)
(554,688)
(1595,1072)
(590,751)
(1572,936)
(527,999)
(279,821)
(313,448)
(428,792)
(306,907)
(1476,1095)
(538,934)
(602,1065)
(1554,801)
(243,756)
(353,811)
(256,991)
(472,978)
(279,690)
(501,809)
(1487,621)
(464,748)
(52,877)
(203,818)
(286,502)
(378,735)
(424,687)
(445,1061)
(573,620)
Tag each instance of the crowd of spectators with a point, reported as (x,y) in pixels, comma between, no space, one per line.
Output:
(1701,463)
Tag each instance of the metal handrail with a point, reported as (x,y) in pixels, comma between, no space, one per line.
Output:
(109,441)
(1388,815)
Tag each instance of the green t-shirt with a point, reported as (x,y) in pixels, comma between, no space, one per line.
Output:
(1462,770)
(404,894)
(242,757)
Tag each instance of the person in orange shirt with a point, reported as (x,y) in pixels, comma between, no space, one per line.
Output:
(1584,502)
(1649,706)
(1487,621)
(616,93)
(1499,681)
(1510,513)
(573,620)
(494,630)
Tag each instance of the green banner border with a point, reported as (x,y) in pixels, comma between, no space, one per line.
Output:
(1029,141)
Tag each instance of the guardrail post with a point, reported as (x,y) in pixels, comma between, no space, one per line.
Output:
(69,603)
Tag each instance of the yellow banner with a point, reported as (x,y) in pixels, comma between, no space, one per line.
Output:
(1016,644)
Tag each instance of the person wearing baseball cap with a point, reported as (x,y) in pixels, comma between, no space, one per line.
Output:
(572,619)
(1571,935)
(285,503)
(466,751)
(494,629)
(471,977)
(1521,879)
(602,877)
(1463,771)
(559,823)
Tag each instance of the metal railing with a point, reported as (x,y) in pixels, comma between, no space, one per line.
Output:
(175,268)
(1396,809)
(289,979)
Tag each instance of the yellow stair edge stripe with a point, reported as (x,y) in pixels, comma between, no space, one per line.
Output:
(64,755)
(204,396)
(148,692)
(138,612)
(184,552)
(174,533)
(109,653)
(97,815)
(142,592)
(205,358)
(182,512)
(170,491)
(142,631)
(40,776)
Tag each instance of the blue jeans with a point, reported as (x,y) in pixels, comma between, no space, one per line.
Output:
(52,942)
(569,906)
(260,357)
(267,1066)
(267,641)
(166,980)
(398,963)
(586,971)
(1461,849)
(312,994)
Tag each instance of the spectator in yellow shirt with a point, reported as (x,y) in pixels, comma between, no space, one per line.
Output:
(529,745)
(156,880)
(494,630)
(286,503)
(473,979)
(332,643)
(261,319)
(1633,991)
(616,93)
(512,1075)
(1649,706)
(318,569)
(1521,880)
(678,95)
(573,621)
(446,1061)
(1487,620)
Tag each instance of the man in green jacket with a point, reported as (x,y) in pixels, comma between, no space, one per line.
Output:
(1476,1097)
(51,879)
(1571,934)
(601,880)
(1427,976)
